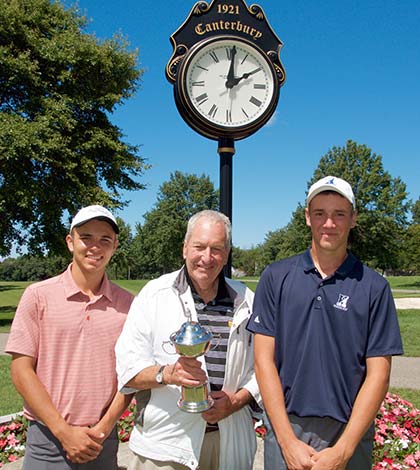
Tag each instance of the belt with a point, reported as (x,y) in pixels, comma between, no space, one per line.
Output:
(212,427)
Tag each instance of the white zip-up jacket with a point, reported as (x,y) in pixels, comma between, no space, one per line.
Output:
(162,431)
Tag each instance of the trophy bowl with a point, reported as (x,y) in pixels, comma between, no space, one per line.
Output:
(191,340)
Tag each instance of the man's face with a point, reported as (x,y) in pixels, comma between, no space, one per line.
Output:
(92,245)
(330,217)
(205,252)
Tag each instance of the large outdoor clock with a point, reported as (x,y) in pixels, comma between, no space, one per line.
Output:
(226,86)
(226,69)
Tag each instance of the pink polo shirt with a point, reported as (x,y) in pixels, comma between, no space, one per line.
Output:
(73,339)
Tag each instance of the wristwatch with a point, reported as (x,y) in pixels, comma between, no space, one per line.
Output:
(159,376)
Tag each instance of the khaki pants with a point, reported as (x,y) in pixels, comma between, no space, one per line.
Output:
(209,457)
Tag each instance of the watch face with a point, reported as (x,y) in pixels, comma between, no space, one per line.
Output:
(229,83)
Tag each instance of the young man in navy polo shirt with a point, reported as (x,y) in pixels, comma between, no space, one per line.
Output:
(325,329)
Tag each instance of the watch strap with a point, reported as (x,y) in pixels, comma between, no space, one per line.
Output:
(159,375)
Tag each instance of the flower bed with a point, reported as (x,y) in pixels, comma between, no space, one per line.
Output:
(397,436)
(396,447)
(12,439)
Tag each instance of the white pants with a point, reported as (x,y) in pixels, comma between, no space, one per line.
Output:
(209,457)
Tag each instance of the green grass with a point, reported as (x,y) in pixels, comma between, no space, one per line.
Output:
(404,282)
(10,293)
(133,286)
(10,400)
(403,295)
(409,321)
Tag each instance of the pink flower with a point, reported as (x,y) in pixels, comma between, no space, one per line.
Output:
(410,460)
(13,426)
(12,441)
(380,440)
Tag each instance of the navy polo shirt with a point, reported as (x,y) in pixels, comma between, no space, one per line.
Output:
(324,329)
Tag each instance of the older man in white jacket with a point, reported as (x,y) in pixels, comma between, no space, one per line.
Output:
(165,437)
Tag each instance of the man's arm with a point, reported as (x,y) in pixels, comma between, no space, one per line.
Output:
(365,408)
(78,442)
(186,371)
(296,453)
(117,407)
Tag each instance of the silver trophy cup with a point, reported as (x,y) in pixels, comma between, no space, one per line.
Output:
(193,340)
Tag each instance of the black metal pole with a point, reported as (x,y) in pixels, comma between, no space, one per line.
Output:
(226,151)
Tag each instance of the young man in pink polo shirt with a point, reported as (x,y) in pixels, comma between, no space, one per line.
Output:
(62,343)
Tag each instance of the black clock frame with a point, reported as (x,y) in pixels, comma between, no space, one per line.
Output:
(196,120)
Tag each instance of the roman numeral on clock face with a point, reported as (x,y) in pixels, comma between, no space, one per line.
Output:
(255,101)
(202,98)
(214,56)
(213,111)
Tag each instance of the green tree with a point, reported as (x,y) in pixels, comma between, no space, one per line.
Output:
(159,240)
(381,202)
(33,268)
(247,261)
(122,260)
(411,250)
(58,149)
(416,212)
(294,238)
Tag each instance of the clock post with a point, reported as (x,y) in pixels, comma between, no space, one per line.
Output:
(226,150)
(227,74)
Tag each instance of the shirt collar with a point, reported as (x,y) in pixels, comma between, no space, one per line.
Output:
(342,271)
(183,281)
(308,264)
(72,289)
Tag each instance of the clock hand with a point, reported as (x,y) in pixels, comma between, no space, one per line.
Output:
(236,80)
(231,74)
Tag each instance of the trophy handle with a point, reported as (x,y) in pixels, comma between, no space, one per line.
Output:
(164,343)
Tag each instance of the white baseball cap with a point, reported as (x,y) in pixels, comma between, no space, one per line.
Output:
(332,183)
(94,212)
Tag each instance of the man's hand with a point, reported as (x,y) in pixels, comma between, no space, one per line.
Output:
(81,444)
(186,371)
(224,405)
(298,455)
(99,433)
(329,459)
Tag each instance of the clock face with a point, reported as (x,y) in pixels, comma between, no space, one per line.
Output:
(229,84)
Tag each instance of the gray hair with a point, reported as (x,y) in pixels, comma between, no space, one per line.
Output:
(212,216)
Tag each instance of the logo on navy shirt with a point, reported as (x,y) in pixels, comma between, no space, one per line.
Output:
(341,303)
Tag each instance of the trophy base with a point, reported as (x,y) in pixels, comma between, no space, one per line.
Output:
(195,407)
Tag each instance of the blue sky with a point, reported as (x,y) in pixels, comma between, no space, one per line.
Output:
(353,69)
